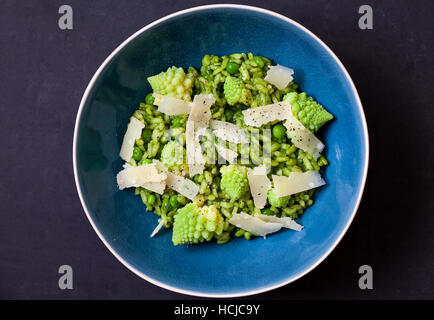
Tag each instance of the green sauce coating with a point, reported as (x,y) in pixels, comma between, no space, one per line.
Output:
(237,82)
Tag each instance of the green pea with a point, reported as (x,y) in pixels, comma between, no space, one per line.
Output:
(151,199)
(229,114)
(215,59)
(196,178)
(140,142)
(206,60)
(146,161)
(279,131)
(232,67)
(182,200)
(259,61)
(137,154)
(149,98)
(176,122)
(174,201)
(147,135)
(166,204)
(267,211)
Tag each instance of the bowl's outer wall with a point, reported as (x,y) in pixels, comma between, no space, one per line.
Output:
(238,266)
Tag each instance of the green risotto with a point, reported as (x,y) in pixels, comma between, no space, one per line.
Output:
(237,83)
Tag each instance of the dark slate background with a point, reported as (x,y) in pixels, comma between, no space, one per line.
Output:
(45,72)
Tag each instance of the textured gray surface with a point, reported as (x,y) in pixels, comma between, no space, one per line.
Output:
(45,72)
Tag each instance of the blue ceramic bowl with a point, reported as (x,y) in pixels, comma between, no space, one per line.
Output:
(239,267)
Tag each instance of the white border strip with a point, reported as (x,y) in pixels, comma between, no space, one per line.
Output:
(206,294)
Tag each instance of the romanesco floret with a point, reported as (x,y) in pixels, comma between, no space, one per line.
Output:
(173,83)
(196,224)
(172,154)
(236,92)
(310,113)
(275,201)
(234,182)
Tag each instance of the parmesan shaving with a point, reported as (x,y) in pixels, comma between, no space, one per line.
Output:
(302,138)
(200,111)
(228,131)
(138,176)
(259,185)
(157,187)
(280,76)
(286,222)
(160,166)
(254,224)
(200,115)
(195,160)
(201,132)
(182,185)
(296,182)
(259,116)
(227,154)
(134,131)
(260,170)
(157,228)
(171,106)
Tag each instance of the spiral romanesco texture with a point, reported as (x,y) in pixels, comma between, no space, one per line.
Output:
(310,113)
(172,154)
(173,83)
(236,92)
(277,202)
(196,224)
(234,182)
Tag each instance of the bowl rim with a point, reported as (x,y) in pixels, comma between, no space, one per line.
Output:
(202,293)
